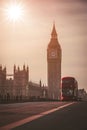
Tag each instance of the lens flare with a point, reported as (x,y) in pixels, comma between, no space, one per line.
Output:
(14,12)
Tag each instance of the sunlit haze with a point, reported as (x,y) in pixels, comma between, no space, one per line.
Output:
(27,41)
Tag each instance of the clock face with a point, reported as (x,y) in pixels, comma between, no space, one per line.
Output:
(53,53)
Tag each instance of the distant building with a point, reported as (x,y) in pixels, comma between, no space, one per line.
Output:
(45,92)
(3,92)
(19,88)
(20,82)
(9,89)
(36,91)
(54,66)
(82,95)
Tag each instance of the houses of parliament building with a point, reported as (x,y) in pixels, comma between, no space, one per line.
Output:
(20,88)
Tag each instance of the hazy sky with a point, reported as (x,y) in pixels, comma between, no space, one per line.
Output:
(26,41)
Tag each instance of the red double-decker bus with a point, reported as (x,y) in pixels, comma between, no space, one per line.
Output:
(69,89)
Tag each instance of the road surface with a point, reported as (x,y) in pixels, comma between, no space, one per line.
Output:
(45,115)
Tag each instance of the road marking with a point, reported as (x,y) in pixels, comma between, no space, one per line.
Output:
(29,119)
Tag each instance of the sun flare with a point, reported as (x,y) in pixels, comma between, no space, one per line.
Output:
(14,12)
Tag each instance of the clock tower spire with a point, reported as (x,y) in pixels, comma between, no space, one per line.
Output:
(54,33)
(54,66)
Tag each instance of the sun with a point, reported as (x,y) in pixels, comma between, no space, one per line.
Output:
(14,12)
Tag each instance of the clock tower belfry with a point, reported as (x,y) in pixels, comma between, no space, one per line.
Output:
(54,66)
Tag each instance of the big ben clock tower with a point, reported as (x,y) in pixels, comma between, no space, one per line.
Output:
(54,66)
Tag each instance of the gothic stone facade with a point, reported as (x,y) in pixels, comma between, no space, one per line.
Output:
(54,66)
(19,88)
